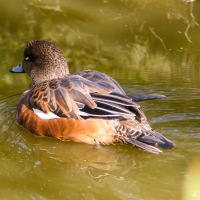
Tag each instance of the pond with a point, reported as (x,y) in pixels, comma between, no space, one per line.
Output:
(148,47)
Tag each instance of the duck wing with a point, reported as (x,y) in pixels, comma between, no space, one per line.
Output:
(107,81)
(75,96)
(101,79)
(64,97)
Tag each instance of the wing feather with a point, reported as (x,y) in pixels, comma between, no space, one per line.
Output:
(75,96)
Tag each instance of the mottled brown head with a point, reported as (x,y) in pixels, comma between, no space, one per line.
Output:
(44,61)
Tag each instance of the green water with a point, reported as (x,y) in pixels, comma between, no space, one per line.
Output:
(149,47)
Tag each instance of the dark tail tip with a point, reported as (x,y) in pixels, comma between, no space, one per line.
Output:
(164,142)
(150,141)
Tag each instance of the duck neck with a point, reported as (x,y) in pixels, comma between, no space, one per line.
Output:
(45,74)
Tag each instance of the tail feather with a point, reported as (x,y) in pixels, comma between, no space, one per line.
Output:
(151,140)
(143,146)
(159,139)
(143,137)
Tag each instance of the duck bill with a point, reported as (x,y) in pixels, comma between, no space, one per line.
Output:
(17,69)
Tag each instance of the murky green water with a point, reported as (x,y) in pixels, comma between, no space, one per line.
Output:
(149,47)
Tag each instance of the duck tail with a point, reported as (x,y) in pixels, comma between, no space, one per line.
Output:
(146,139)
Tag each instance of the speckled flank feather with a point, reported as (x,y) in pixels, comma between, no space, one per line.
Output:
(89,106)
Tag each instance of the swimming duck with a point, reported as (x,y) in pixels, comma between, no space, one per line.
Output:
(88,106)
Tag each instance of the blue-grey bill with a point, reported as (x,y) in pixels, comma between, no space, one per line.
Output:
(17,69)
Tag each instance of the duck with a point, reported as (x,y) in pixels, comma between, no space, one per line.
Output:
(87,106)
